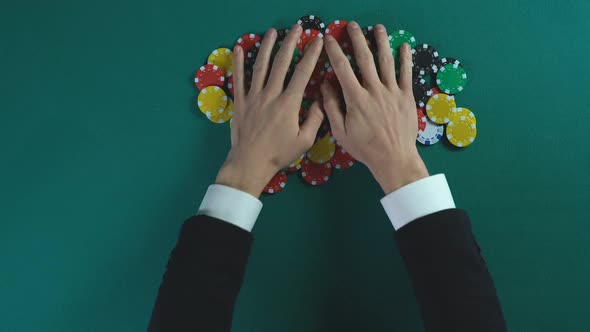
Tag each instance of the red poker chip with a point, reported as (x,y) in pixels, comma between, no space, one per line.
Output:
(315,174)
(294,168)
(317,76)
(337,29)
(230,85)
(433,91)
(247,41)
(421,119)
(312,91)
(277,183)
(209,75)
(307,37)
(342,159)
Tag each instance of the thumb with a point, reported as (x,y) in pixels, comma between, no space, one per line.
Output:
(311,125)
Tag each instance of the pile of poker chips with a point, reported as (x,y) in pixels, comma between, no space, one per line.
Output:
(436,82)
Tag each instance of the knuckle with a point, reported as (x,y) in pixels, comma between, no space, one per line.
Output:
(363,57)
(386,58)
(258,65)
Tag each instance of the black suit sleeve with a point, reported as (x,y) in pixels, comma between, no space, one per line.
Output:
(203,277)
(452,284)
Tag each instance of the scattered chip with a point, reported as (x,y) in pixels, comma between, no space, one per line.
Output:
(322,151)
(398,38)
(312,22)
(461,133)
(431,134)
(342,159)
(277,183)
(222,58)
(424,57)
(451,78)
(462,114)
(247,41)
(421,119)
(420,90)
(337,29)
(439,107)
(315,174)
(209,75)
(212,101)
(307,36)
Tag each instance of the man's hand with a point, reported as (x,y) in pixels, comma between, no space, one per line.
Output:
(380,124)
(265,134)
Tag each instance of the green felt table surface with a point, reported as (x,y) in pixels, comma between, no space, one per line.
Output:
(103,155)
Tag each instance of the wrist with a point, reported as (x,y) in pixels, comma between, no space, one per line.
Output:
(249,177)
(393,175)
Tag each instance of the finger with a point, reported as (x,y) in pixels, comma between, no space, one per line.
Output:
(386,62)
(342,68)
(305,68)
(260,69)
(362,54)
(406,68)
(311,125)
(333,110)
(282,60)
(239,90)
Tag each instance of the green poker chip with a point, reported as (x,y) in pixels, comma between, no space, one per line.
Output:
(398,38)
(451,78)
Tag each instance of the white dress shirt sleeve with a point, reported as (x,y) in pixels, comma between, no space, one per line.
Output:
(418,199)
(231,205)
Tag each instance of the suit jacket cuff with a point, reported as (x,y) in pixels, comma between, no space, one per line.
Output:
(231,205)
(418,199)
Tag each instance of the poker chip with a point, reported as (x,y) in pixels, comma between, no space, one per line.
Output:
(330,74)
(208,75)
(222,58)
(322,151)
(312,91)
(307,37)
(451,78)
(217,116)
(462,114)
(212,101)
(281,34)
(230,85)
(342,159)
(421,119)
(398,38)
(461,133)
(252,55)
(420,90)
(370,37)
(431,134)
(315,174)
(324,129)
(445,61)
(312,22)
(247,41)
(434,90)
(276,184)
(439,107)
(296,165)
(424,57)
(337,29)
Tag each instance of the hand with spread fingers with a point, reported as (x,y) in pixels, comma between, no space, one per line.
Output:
(266,135)
(379,125)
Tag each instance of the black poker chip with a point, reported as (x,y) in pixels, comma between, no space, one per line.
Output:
(445,61)
(281,34)
(251,55)
(312,22)
(323,130)
(425,58)
(369,35)
(420,89)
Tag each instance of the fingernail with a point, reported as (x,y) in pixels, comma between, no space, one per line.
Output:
(296,27)
(270,32)
(238,49)
(380,27)
(353,25)
(406,47)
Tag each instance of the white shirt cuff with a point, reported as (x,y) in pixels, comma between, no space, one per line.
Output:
(231,205)
(418,199)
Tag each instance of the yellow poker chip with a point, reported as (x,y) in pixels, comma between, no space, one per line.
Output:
(222,117)
(461,133)
(322,151)
(297,161)
(212,101)
(222,58)
(439,107)
(462,114)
